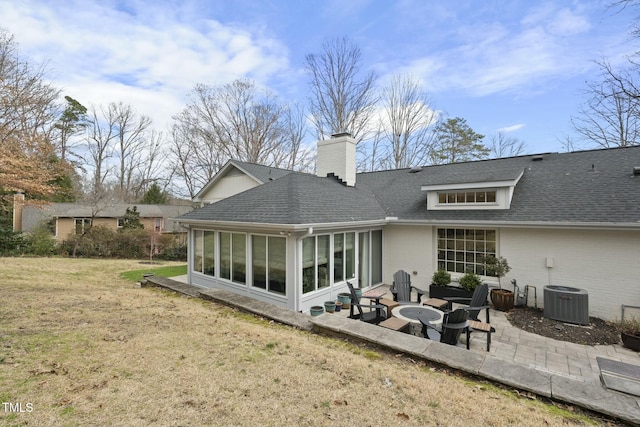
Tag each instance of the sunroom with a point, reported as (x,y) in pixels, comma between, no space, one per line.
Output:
(293,269)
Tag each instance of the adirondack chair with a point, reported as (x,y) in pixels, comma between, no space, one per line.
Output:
(402,287)
(453,323)
(475,304)
(370,313)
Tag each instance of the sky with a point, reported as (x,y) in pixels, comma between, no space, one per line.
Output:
(517,67)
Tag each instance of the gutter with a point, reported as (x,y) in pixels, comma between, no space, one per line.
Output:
(394,220)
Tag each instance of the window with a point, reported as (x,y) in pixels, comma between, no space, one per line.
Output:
(120,222)
(344,266)
(467,197)
(157,225)
(462,250)
(269,263)
(370,253)
(316,252)
(82,225)
(208,266)
(233,256)
(204,252)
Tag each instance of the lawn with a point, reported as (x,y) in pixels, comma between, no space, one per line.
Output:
(81,345)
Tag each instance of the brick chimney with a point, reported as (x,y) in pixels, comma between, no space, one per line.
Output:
(337,156)
(18,203)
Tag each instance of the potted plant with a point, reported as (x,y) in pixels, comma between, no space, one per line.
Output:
(440,287)
(630,333)
(469,281)
(498,267)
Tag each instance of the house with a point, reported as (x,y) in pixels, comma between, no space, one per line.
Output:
(71,218)
(570,219)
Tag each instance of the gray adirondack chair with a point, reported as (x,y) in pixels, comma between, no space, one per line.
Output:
(402,287)
(370,313)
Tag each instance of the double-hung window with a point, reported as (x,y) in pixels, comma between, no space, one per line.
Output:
(82,225)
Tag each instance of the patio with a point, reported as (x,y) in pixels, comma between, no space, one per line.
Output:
(543,354)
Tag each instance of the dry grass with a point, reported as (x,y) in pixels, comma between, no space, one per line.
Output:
(85,347)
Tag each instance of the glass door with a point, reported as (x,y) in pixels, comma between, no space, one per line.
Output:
(364,266)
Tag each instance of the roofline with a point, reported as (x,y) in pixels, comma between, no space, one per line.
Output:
(524,224)
(281,227)
(395,221)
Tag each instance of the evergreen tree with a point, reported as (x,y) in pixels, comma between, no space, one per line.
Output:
(456,142)
(154,196)
(132,219)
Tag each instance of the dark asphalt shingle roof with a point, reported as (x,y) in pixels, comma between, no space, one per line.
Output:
(581,187)
(296,198)
(260,172)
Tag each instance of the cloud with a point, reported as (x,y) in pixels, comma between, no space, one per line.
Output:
(150,57)
(512,128)
(493,56)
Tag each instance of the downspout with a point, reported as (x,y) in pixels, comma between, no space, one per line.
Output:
(298,271)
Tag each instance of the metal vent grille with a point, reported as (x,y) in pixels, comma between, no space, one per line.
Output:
(566,304)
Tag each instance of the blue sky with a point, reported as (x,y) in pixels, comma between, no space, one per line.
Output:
(512,66)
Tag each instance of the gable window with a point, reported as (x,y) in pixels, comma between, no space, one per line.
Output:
(82,225)
(204,251)
(269,261)
(233,257)
(467,197)
(462,250)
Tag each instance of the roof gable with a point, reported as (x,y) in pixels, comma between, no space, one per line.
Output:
(258,173)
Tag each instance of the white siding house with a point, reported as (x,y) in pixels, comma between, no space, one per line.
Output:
(293,239)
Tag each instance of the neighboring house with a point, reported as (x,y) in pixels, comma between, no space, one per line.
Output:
(71,218)
(570,219)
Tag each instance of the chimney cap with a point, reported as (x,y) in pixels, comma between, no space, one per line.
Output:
(339,134)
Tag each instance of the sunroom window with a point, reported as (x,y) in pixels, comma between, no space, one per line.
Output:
(233,257)
(204,251)
(269,260)
(315,263)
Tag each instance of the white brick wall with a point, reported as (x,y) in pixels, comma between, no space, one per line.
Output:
(605,263)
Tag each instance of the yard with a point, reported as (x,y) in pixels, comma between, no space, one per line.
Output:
(80,345)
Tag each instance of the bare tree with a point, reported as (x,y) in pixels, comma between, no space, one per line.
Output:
(342,98)
(235,121)
(130,146)
(504,146)
(100,138)
(194,152)
(611,115)
(27,101)
(407,124)
(300,157)
(27,113)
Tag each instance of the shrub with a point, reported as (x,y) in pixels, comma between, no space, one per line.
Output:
(39,242)
(470,281)
(441,278)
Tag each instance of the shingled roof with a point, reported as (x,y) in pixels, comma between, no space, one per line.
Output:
(585,187)
(296,198)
